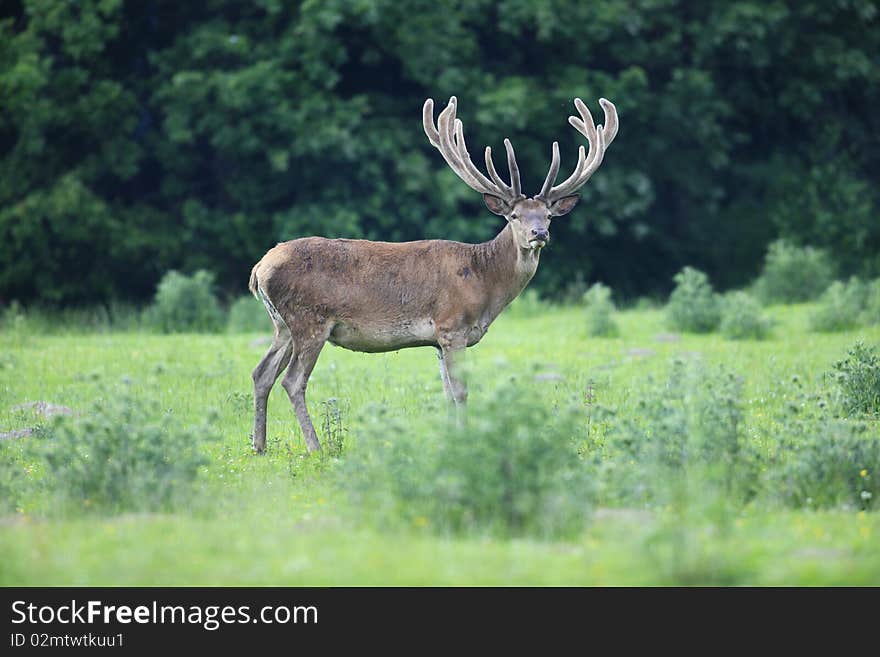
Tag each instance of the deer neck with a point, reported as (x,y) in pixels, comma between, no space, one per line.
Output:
(509,269)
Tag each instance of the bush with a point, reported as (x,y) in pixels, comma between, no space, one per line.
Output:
(841,307)
(858,381)
(248,315)
(527,304)
(871,312)
(600,309)
(685,437)
(827,463)
(792,274)
(742,319)
(125,454)
(186,303)
(513,470)
(693,306)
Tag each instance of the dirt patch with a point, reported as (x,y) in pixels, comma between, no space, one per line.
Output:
(629,515)
(44,409)
(667,337)
(16,433)
(640,352)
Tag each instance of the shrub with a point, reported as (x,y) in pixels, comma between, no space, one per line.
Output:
(858,381)
(685,433)
(792,274)
(846,306)
(513,470)
(742,319)
(871,313)
(693,306)
(600,309)
(827,463)
(186,303)
(248,315)
(527,304)
(125,454)
(840,307)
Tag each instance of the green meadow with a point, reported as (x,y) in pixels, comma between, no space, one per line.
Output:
(290,518)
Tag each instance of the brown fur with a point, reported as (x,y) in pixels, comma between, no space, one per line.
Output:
(383,287)
(382,296)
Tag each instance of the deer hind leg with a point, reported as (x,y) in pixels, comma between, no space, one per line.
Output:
(266,373)
(307,347)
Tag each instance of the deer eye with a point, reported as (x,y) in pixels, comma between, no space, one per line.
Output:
(514,216)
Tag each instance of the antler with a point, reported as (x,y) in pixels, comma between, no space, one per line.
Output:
(598,138)
(448,137)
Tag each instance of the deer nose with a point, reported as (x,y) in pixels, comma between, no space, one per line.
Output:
(540,234)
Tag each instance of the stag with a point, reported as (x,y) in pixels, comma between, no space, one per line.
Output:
(382,296)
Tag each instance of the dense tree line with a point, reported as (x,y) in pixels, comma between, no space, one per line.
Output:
(136,137)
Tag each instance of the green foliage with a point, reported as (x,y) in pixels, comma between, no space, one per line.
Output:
(842,307)
(527,304)
(123,454)
(871,313)
(824,201)
(236,125)
(686,437)
(14,470)
(793,273)
(652,524)
(742,318)
(858,380)
(600,310)
(333,428)
(693,305)
(513,470)
(186,303)
(248,315)
(826,463)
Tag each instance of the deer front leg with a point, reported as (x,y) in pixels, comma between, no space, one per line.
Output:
(451,354)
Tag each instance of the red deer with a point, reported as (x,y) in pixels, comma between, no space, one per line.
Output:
(383,296)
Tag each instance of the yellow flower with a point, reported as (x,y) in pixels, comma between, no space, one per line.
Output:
(863,473)
(420,521)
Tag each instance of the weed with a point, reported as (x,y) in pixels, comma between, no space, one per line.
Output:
(858,381)
(333,429)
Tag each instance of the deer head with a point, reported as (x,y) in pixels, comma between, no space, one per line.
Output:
(529,218)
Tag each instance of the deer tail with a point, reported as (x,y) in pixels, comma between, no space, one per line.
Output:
(252,284)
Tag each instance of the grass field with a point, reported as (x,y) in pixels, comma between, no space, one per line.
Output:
(285,519)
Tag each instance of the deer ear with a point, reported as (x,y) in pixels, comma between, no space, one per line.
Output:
(496,204)
(564,205)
